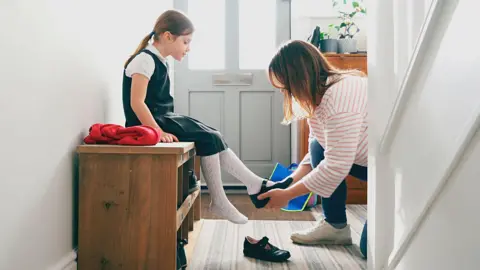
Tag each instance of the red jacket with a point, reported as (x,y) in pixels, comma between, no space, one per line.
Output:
(116,134)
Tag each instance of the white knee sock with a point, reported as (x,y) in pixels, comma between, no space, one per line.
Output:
(220,205)
(234,166)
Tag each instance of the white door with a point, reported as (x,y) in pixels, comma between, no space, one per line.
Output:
(223,81)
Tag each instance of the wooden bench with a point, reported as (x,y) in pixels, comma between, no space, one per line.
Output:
(134,205)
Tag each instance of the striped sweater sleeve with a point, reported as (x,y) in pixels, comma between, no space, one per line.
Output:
(342,136)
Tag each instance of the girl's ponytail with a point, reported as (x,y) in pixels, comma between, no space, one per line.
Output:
(140,47)
(173,21)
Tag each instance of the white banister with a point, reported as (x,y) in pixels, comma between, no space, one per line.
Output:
(427,31)
(471,128)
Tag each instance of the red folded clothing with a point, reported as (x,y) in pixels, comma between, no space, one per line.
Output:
(116,134)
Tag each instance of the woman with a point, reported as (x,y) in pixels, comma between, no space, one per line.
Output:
(335,103)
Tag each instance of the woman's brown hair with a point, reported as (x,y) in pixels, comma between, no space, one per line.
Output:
(173,21)
(303,71)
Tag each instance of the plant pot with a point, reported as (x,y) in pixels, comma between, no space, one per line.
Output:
(348,45)
(328,45)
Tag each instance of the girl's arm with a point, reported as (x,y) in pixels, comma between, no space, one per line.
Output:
(137,101)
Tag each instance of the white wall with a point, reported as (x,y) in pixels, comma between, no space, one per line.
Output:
(307,14)
(449,238)
(61,71)
(444,102)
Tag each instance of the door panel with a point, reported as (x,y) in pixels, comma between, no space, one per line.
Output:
(228,88)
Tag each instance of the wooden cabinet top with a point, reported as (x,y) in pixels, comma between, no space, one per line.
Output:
(345,55)
(177,148)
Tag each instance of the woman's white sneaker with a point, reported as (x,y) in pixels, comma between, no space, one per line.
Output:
(323,234)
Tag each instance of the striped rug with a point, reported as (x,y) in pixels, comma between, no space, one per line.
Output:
(220,244)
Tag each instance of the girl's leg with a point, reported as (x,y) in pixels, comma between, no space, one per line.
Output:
(255,185)
(220,205)
(234,166)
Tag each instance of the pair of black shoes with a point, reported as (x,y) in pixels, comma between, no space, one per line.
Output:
(263,250)
(281,185)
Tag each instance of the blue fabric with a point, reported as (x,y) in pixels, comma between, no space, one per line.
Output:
(280,173)
(334,208)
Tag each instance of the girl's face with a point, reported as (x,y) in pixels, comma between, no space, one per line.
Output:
(179,46)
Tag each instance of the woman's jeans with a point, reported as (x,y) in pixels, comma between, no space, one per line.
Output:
(334,208)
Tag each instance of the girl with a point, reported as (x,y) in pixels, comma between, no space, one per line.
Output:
(147,101)
(336,106)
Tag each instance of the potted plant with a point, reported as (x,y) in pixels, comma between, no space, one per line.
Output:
(327,44)
(347,28)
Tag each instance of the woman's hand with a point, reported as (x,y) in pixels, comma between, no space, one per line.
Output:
(278,198)
(168,138)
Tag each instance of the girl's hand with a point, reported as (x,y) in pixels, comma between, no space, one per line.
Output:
(168,138)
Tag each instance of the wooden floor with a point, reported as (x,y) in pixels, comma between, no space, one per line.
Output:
(211,234)
(245,206)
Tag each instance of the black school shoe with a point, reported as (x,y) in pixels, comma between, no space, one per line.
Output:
(181,255)
(261,203)
(192,182)
(263,250)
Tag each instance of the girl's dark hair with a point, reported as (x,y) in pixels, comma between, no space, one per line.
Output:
(173,21)
(302,71)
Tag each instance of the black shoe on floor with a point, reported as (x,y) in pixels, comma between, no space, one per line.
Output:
(192,182)
(261,203)
(263,250)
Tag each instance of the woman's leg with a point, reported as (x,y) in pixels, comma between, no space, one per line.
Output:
(334,208)
(334,228)
(363,241)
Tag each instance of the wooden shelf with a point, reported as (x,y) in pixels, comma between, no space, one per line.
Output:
(185,208)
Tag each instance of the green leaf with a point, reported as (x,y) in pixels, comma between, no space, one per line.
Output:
(352,14)
(343,24)
(355,4)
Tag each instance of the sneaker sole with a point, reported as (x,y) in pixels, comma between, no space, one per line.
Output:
(343,242)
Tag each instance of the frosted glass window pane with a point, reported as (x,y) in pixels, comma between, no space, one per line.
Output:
(207,50)
(257,37)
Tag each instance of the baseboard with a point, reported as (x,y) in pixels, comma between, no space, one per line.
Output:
(67,262)
(229,189)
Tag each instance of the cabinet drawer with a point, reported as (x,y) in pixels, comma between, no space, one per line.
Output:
(348,62)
